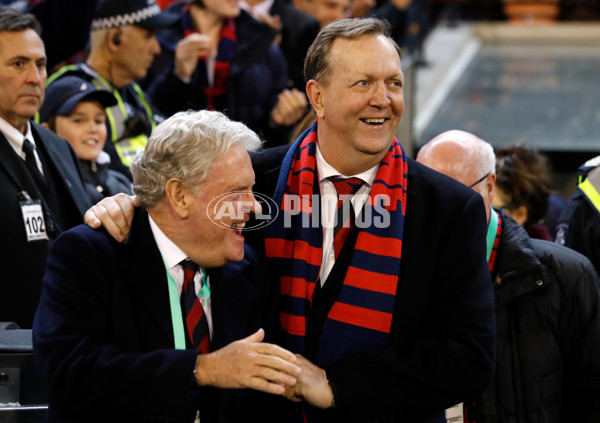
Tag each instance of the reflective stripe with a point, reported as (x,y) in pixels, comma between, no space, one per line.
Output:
(591,193)
(127,148)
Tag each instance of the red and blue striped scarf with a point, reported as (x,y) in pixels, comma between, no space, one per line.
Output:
(361,317)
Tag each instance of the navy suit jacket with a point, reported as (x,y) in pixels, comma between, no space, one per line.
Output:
(442,340)
(23,262)
(103,337)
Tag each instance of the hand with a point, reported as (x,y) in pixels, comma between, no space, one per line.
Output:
(187,52)
(312,385)
(114,213)
(290,107)
(248,363)
(274,22)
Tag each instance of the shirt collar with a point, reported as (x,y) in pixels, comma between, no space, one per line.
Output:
(14,136)
(326,171)
(171,253)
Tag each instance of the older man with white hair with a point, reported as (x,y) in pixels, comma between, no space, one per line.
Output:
(547,306)
(149,328)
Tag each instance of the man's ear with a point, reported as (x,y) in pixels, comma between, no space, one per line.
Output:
(178,197)
(315,96)
(491,187)
(113,38)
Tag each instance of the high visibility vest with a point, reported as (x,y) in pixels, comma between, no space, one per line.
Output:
(126,146)
(590,186)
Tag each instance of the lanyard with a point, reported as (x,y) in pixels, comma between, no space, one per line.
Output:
(176,314)
(491,233)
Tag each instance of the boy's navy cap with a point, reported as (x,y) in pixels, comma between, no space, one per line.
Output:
(144,13)
(65,93)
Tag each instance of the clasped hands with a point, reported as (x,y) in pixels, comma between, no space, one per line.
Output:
(247,363)
(250,363)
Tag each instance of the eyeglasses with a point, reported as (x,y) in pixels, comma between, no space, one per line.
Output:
(480,180)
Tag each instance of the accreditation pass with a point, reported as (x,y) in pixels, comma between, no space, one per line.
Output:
(33,218)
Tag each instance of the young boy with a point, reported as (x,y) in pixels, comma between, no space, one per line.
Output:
(74,110)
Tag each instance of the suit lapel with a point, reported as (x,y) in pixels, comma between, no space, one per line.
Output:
(17,172)
(232,299)
(149,276)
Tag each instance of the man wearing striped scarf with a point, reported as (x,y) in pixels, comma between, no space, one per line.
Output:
(400,323)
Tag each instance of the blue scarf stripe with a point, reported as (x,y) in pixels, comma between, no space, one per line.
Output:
(285,269)
(297,306)
(366,299)
(379,181)
(383,265)
(308,169)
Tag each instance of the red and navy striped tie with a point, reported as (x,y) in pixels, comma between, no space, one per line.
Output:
(344,215)
(196,324)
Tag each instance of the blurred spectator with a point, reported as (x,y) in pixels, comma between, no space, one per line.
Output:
(579,223)
(325,11)
(523,189)
(218,57)
(74,110)
(41,191)
(297,29)
(119,55)
(360,8)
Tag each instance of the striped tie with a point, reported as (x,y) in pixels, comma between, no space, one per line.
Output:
(344,217)
(193,315)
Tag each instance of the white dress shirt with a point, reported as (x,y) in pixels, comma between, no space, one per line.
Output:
(15,139)
(173,256)
(329,205)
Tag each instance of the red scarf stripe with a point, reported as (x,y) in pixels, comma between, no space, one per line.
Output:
(370,319)
(380,245)
(372,281)
(294,325)
(297,287)
(283,248)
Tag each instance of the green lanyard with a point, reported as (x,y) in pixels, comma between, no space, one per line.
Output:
(176,314)
(491,233)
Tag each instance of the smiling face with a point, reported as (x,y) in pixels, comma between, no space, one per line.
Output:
(22,76)
(214,235)
(84,128)
(360,103)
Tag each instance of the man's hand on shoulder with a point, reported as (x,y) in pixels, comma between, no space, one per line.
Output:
(114,213)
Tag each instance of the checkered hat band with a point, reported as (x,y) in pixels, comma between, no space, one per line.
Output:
(126,19)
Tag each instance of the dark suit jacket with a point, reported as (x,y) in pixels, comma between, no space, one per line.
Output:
(23,262)
(103,337)
(442,343)
(298,31)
